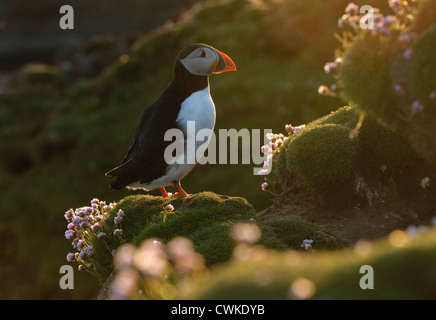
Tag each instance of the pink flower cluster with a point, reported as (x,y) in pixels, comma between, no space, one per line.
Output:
(151,263)
(83,225)
(276,141)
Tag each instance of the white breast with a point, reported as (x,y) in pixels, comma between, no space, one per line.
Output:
(198,107)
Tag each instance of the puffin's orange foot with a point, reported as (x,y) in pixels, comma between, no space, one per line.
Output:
(181,192)
(164,192)
(187,195)
(183,195)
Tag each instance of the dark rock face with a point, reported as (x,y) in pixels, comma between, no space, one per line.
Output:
(30,32)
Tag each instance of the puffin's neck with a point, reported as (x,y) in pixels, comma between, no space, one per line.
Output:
(187,82)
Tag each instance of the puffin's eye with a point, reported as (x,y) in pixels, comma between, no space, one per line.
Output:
(203,54)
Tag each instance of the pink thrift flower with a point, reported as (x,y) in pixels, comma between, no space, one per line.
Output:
(265,186)
(71,257)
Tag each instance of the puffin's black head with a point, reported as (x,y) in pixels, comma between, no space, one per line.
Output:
(202,60)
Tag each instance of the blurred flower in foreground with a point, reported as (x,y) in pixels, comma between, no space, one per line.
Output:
(124,284)
(150,270)
(246,233)
(414,230)
(151,259)
(302,288)
(186,260)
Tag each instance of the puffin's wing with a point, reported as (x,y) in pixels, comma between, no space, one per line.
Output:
(141,168)
(144,160)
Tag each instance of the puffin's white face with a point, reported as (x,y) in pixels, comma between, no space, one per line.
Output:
(202,61)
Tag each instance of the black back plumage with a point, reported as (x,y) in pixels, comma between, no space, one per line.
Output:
(144,161)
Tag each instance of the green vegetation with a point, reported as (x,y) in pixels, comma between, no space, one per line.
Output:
(402,267)
(292,230)
(58,137)
(334,161)
(324,156)
(364,75)
(423,67)
(207,219)
(389,71)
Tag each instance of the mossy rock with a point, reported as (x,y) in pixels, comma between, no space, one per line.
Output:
(206,219)
(402,266)
(324,156)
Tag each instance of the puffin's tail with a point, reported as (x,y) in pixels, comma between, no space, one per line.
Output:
(122,178)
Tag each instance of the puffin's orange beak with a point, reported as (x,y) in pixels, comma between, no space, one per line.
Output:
(225,64)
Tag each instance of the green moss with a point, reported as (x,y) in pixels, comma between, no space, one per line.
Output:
(364,75)
(322,156)
(423,66)
(345,116)
(206,219)
(292,230)
(399,273)
(202,213)
(379,145)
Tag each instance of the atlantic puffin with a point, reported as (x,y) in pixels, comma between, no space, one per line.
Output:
(187,98)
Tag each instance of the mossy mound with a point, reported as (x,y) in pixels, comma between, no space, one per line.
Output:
(192,217)
(207,220)
(325,157)
(326,146)
(352,175)
(364,75)
(292,230)
(402,266)
(423,67)
(391,74)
